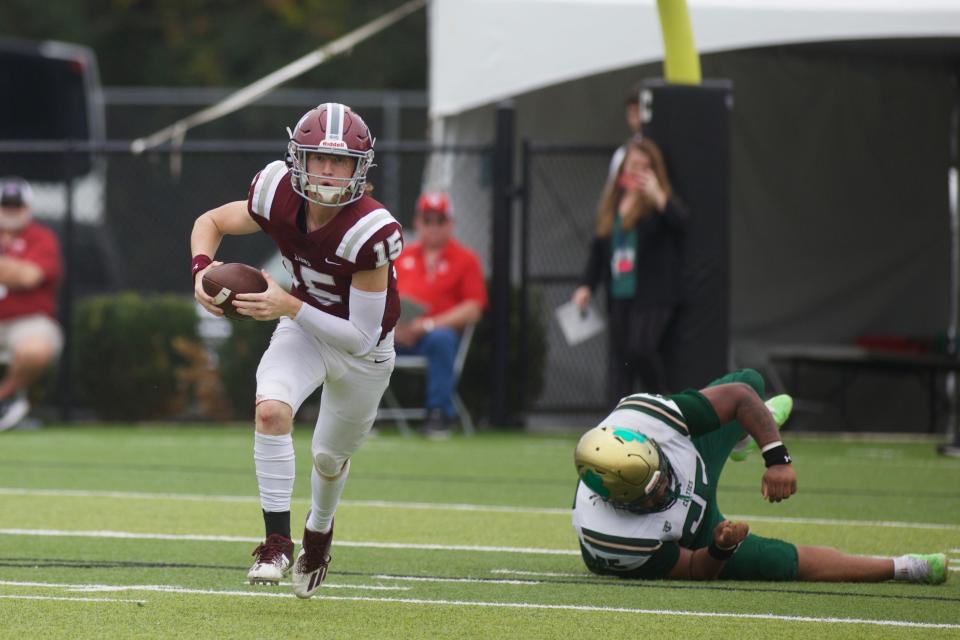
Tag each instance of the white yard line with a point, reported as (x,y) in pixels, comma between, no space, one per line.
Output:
(658,612)
(527,605)
(529,583)
(460,547)
(547,574)
(163,587)
(542,574)
(130,535)
(440,506)
(126,535)
(190,497)
(68,599)
(124,495)
(895,524)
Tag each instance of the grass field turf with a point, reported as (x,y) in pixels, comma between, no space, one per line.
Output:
(146,532)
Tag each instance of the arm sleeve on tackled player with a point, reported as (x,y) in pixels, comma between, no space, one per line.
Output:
(697,411)
(356,336)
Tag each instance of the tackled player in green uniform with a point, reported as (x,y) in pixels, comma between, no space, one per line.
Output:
(646,503)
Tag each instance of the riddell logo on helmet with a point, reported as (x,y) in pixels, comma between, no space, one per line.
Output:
(336,144)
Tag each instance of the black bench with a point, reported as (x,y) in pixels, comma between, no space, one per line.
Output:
(855,359)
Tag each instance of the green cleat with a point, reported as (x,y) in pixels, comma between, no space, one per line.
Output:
(780,407)
(741,450)
(931,568)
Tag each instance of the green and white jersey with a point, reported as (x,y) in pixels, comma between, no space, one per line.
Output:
(614,540)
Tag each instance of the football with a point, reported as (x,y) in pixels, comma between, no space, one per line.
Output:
(225,281)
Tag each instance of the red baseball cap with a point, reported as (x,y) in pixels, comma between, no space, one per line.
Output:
(434,202)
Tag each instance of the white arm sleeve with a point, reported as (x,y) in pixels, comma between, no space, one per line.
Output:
(356,336)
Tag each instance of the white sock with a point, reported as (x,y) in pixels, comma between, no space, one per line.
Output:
(273,458)
(326,497)
(907,568)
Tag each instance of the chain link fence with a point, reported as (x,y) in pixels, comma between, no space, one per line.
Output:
(563,184)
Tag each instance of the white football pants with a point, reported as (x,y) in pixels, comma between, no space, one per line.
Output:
(297,362)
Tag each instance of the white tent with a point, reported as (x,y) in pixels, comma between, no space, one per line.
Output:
(840,149)
(482,51)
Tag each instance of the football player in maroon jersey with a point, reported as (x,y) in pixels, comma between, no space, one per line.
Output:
(335,324)
(30,269)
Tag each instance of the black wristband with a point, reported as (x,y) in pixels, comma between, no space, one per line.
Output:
(721,554)
(777,455)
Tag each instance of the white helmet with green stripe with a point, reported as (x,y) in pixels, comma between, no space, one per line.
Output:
(627,469)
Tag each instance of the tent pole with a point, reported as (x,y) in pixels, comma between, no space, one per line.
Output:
(952,447)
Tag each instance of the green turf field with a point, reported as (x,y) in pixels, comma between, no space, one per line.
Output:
(128,532)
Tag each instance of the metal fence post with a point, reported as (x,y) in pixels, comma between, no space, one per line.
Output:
(64,382)
(502,248)
(952,446)
(524,320)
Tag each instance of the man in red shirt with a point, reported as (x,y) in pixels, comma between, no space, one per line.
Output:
(445,278)
(30,268)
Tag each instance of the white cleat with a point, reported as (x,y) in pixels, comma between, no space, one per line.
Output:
(311,566)
(272,560)
(13,410)
(929,568)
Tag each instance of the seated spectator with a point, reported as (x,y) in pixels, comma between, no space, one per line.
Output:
(445,278)
(30,267)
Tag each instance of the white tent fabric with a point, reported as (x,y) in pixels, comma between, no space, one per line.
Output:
(486,50)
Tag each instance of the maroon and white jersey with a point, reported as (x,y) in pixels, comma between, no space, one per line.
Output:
(361,237)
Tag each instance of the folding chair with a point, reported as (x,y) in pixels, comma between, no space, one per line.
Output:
(393,410)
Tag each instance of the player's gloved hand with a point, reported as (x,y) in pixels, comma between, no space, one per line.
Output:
(727,535)
(779,482)
(201,296)
(268,305)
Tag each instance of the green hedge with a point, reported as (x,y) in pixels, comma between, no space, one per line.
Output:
(238,358)
(139,357)
(126,358)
